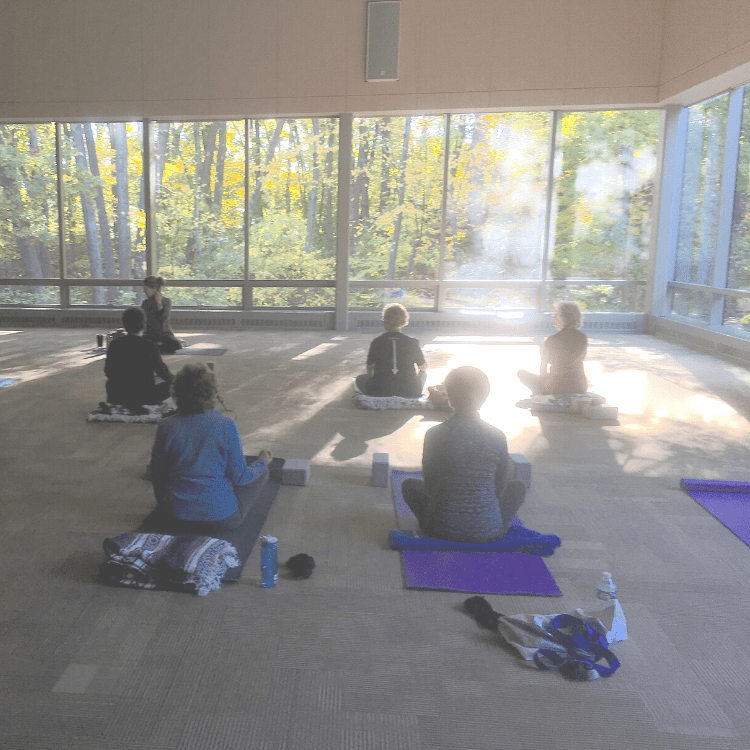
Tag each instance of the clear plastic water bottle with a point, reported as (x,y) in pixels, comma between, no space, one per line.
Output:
(606,590)
(269,546)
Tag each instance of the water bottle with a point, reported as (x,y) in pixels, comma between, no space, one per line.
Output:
(606,590)
(269,546)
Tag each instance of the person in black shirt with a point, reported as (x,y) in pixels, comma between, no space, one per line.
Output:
(395,363)
(158,309)
(132,364)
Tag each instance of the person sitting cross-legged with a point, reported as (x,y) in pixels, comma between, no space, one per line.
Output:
(562,356)
(464,495)
(132,365)
(395,363)
(202,482)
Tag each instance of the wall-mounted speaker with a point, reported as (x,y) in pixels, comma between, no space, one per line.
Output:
(383,19)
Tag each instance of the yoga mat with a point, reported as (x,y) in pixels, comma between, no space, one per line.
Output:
(205,350)
(244,536)
(728,502)
(476,572)
(479,572)
(8,381)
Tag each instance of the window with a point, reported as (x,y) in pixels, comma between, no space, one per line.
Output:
(29,244)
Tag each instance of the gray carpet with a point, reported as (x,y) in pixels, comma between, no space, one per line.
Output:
(350,659)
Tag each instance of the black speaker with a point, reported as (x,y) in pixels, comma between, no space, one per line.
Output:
(383,19)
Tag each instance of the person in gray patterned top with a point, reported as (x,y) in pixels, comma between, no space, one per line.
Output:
(464,495)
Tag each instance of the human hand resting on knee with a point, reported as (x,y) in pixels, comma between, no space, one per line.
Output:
(265,455)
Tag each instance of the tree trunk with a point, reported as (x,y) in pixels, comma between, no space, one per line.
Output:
(312,204)
(329,196)
(475,209)
(118,136)
(573,155)
(260,171)
(359,185)
(101,211)
(89,216)
(162,139)
(38,197)
(385,164)
(401,191)
(221,157)
(194,246)
(209,147)
(295,143)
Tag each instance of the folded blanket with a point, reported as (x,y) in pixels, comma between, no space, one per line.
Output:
(393,402)
(184,562)
(113,413)
(518,539)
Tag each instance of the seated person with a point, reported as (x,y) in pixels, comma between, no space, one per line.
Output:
(395,363)
(202,482)
(464,496)
(563,353)
(158,308)
(132,364)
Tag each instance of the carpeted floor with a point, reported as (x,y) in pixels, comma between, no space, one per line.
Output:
(351,659)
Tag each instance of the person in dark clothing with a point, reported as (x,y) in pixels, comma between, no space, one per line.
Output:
(464,495)
(158,309)
(562,356)
(395,363)
(132,364)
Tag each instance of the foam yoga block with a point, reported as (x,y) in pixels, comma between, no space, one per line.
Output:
(599,411)
(296,471)
(519,468)
(380,470)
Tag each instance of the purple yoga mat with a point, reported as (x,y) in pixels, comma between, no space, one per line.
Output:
(728,505)
(479,572)
(475,572)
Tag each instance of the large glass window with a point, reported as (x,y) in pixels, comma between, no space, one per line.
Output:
(199,194)
(29,244)
(103,208)
(738,276)
(445,212)
(700,203)
(293,173)
(395,205)
(497,186)
(605,167)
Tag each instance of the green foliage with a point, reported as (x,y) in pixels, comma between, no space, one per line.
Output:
(495,198)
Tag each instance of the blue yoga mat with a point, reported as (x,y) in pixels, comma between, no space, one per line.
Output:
(475,568)
(8,381)
(728,502)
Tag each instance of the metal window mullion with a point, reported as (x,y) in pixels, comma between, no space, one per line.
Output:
(247,290)
(671,171)
(541,301)
(726,204)
(344,178)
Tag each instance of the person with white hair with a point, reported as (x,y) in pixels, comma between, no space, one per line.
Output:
(562,356)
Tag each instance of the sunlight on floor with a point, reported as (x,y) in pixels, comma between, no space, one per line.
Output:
(643,393)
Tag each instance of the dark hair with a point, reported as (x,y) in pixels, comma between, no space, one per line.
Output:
(194,389)
(133,319)
(467,388)
(153,282)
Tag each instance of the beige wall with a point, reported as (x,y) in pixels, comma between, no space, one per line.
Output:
(705,42)
(227,58)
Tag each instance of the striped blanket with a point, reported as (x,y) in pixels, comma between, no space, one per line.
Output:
(184,562)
